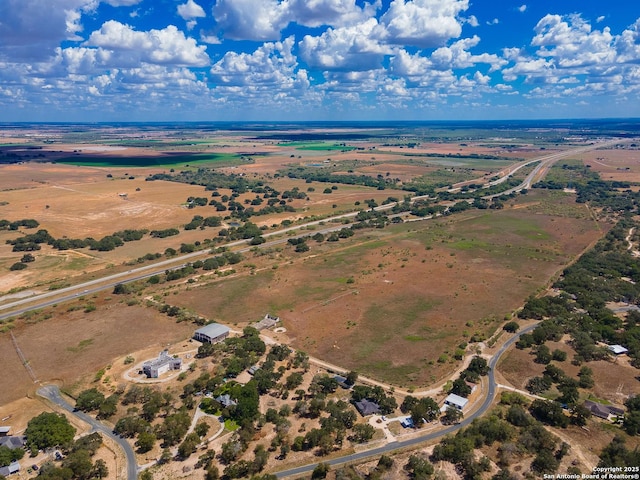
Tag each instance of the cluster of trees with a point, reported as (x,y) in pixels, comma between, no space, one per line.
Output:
(516,432)
(477,367)
(93,400)
(8,455)
(210,178)
(211,263)
(78,463)
(49,430)
(422,410)
(599,276)
(32,242)
(236,353)
(16,224)
(325,175)
(167,232)
(198,221)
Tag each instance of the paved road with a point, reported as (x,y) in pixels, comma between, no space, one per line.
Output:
(52,393)
(390,447)
(47,299)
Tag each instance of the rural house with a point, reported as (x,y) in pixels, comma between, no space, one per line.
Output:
(455,401)
(367,407)
(603,411)
(162,364)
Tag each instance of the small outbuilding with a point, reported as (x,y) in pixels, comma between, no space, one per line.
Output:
(212,333)
(407,422)
(617,349)
(269,321)
(4,431)
(13,467)
(455,401)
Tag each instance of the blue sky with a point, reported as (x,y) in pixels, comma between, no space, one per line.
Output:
(217,60)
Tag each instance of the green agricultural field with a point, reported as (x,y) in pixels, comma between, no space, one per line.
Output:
(214,159)
(318,146)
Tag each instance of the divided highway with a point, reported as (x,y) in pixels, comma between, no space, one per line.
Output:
(45,299)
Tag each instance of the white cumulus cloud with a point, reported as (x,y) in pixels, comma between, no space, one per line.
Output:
(251,20)
(352,48)
(423,23)
(166,46)
(191,10)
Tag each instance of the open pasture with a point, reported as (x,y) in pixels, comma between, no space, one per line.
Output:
(397,303)
(68,342)
(619,164)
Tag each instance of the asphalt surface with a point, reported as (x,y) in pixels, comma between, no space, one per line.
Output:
(52,393)
(393,446)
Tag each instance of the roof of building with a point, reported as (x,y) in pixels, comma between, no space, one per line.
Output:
(13,467)
(407,422)
(225,400)
(453,399)
(367,407)
(13,442)
(213,330)
(162,359)
(618,349)
(267,322)
(601,410)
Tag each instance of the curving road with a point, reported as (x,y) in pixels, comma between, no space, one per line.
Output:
(393,446)
(52,393)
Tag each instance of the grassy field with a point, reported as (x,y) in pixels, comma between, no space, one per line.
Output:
(159,161)
(397,303)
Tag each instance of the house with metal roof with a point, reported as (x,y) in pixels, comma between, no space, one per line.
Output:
(13,467)
(212,333)
(455,401)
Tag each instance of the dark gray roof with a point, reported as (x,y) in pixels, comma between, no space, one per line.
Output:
(602,411)
(13,442)
(367,407)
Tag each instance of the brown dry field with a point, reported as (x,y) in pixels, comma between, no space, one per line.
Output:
(72,344)
(621,164)
(418,289)
(80,202)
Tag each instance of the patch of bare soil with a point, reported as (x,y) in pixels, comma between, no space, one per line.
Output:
(72,344)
